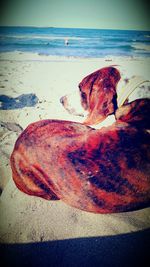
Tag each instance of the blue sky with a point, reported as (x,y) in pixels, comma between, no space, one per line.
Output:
(101,14)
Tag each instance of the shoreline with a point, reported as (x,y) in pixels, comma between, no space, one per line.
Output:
(31,56)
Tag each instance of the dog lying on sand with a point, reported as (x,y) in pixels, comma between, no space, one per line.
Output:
(103,170)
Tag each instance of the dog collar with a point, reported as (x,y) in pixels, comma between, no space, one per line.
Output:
(133,83)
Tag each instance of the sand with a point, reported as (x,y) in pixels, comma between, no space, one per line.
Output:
(26,219)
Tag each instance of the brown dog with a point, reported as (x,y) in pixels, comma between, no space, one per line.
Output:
(103,171)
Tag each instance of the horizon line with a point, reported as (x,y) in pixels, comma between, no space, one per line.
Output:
(85,28)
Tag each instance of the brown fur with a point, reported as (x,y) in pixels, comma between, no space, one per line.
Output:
(98,94)
(104,171)
(136,113)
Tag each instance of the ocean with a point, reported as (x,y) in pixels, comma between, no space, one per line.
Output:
(86,43)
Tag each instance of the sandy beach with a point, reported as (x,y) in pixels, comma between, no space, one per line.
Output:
(26,219)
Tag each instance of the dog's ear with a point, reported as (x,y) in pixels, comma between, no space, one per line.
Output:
(101,94)
(86,87)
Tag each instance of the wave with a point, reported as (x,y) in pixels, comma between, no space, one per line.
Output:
(53,37)
(59,43)
(142,47)
(41,37)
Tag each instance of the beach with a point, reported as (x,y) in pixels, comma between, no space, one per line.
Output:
(26,219)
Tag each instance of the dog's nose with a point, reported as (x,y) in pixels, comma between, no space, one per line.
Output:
(62,100)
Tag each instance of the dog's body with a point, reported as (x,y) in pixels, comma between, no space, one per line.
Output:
(101,171)
(98,170)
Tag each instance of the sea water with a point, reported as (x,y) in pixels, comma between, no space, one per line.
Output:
(75,42)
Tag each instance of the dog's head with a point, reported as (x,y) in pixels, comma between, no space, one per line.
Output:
(96,98)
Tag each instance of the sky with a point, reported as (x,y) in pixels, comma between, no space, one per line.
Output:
(96,14)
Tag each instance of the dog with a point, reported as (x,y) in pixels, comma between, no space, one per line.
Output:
(104,170)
